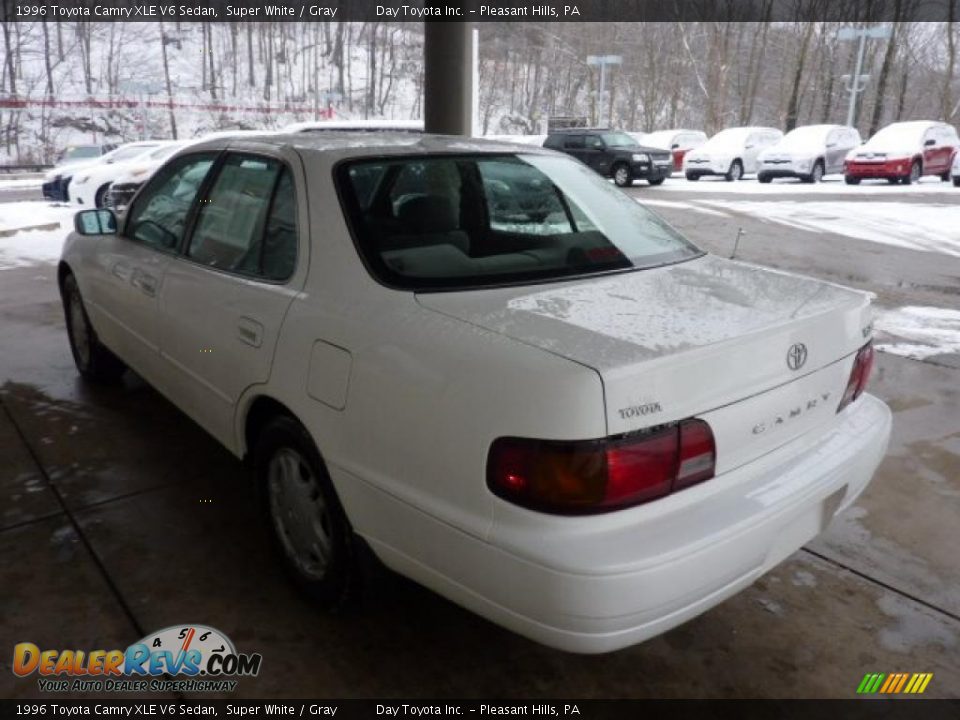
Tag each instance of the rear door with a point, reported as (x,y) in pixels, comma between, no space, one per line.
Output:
(226,295)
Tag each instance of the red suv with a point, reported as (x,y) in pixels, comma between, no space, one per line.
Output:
(904,151)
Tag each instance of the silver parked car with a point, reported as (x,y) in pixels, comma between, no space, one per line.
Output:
(808,152)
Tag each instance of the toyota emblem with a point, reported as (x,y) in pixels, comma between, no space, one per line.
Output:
(796,356)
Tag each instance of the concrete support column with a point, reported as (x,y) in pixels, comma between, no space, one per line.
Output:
(448,78)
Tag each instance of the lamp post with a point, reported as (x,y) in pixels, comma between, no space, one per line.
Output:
(603,61)
(857,83)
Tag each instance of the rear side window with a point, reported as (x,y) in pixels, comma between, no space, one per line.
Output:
(158,217)
(455,222)
(574,142)
(247,222)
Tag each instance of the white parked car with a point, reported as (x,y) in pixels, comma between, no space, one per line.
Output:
(678,141)
(91,182)
(732,153)
(507,378)
(808,152)
(133,174)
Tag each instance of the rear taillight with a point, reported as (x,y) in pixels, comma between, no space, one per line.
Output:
(595,476)
(859,375)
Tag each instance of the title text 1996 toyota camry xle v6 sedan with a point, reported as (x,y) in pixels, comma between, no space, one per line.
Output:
(511,381)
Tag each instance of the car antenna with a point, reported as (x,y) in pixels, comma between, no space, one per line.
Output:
(736,243)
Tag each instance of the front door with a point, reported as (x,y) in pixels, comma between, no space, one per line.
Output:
(133,265)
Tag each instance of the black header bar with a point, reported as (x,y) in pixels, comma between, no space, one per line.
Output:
(871,11)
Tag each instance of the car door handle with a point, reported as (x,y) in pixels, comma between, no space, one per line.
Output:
(144,282)
(250,332)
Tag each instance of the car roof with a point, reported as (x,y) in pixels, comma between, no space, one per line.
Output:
(337,145)
(563,131)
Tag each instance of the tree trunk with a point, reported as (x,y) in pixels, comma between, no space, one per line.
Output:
(166,78)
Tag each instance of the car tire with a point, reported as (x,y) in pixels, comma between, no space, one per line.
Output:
(914,176)
(851,180)
(735,172)
(622,176)
(92,358)
(100,197)
(956,181)
(893,180)
(308,526)
(656,181)
(816,174)
(945,177)
(692,177)
(764,178)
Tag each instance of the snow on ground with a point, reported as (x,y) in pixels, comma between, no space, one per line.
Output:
(928,227)
(831,185)
(933,227)
(32,233)
(919,332)
(676,205)
(16,183)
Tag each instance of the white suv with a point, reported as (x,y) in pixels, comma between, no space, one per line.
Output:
(808,152)
(731,153)
(504,376)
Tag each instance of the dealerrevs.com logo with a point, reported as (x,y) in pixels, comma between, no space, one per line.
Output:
(203,656)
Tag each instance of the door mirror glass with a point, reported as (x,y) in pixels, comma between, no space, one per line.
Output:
(929,142)
(95,222)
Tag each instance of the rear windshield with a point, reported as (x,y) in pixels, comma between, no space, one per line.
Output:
(81,152)
(456,222)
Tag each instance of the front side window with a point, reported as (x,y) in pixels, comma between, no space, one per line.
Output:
(158,217)
(247,221)
(479,220)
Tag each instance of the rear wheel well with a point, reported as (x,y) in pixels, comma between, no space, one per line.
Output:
(261,412)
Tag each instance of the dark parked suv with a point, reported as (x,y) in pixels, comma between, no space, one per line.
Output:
(613,154)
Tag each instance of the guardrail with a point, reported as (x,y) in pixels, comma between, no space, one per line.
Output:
(9,169)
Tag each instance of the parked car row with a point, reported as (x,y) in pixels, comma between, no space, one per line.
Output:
(901,152)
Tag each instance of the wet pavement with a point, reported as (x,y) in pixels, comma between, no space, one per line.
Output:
(119,516)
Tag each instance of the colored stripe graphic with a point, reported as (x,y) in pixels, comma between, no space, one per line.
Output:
(894,683)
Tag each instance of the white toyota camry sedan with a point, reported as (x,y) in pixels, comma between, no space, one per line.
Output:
(508,379)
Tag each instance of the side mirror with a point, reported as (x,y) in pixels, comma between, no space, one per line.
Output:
(930,142)
(95,222)
(675,146)
(747,147)
(833,144)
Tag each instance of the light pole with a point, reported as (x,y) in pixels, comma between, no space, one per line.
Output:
(857,83)
(603,61)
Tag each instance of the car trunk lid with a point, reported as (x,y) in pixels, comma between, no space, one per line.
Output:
(690,339)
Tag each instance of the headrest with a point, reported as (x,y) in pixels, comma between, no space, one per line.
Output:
(427,214)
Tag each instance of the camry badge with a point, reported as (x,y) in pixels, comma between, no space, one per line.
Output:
(796,356)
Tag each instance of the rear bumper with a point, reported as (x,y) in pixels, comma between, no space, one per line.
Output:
(566,582)
(55,189)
